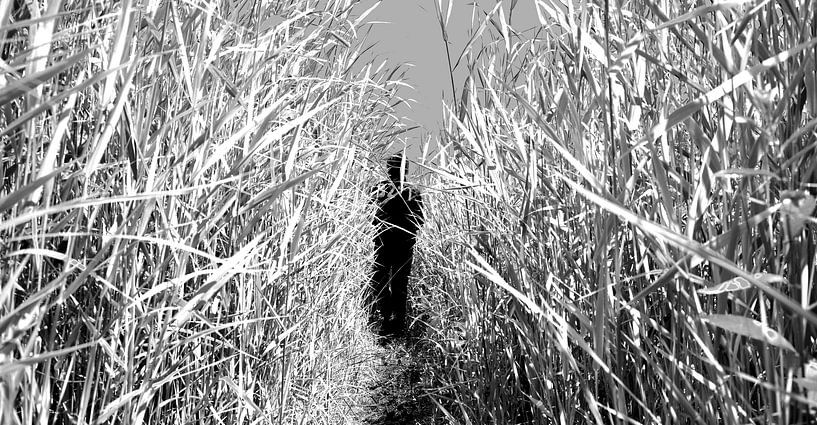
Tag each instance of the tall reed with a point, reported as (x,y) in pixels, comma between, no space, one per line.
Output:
(621,229)
(183,212)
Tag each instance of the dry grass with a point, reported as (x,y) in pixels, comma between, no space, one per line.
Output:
(622,229)
(184,210)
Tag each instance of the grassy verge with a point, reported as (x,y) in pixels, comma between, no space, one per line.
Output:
(183,211)
(622,228)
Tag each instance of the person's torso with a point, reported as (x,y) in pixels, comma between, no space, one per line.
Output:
(398,211)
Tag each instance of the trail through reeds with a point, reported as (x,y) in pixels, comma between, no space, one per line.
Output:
(397,396)
(620,217)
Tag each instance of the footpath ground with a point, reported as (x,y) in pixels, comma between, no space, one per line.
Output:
(397,395)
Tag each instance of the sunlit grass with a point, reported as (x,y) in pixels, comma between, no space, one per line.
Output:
(619,229)
(184,210)
(622,229)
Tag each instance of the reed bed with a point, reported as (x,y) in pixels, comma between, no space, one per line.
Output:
(620,225)
(184,212)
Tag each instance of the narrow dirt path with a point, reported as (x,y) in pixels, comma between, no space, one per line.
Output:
(397,396)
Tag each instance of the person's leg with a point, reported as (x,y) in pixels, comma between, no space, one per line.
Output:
(378,288)
(399,296)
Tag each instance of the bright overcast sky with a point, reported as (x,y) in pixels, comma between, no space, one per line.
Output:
(412,35)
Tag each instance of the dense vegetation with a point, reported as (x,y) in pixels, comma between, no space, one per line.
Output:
(623,230)
(185,206)
(619,222)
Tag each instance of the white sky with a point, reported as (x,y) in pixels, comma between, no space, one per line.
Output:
(412,35)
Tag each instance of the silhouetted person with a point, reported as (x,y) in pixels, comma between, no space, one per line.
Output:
(399,215)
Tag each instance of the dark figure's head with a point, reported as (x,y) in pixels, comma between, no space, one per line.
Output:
(395,164)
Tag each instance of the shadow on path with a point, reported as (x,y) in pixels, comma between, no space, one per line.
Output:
(397,396)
